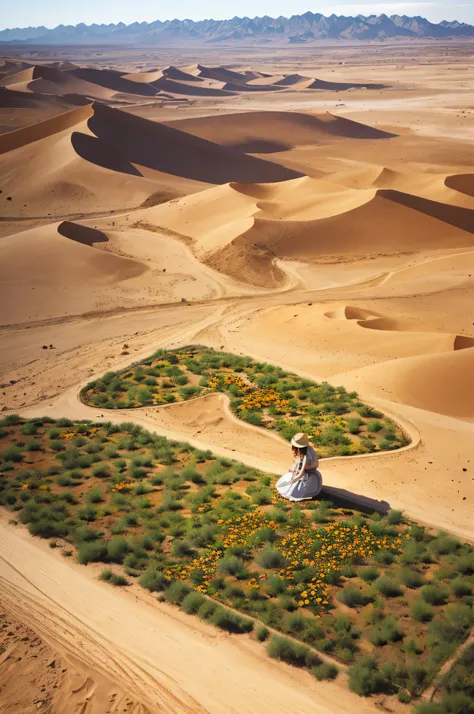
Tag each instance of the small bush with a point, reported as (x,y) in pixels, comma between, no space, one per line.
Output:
(365,678)
(117,549)
(263,634)
(270,557)
(434,594)
(324,671)
(422,611)
(369,574)
(153,580)
(230,621)
(387,587)
(404,697)
(95,495)
(118,580)
(387,631)
(106,575)
(374,426)
(207,610)
(288,651)
(352,597)
(394,517)
(92,552)
(231,565)
(192,602)
(461,587)
(411,578)
(176,592)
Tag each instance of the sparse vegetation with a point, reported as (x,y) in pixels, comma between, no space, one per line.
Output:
(260,393)
(189,527)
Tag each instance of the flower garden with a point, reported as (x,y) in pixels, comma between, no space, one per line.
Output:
(338,423)
(322,586)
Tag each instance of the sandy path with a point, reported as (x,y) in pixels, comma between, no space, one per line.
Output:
(171,663)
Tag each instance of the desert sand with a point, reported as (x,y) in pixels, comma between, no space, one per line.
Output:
(312,209)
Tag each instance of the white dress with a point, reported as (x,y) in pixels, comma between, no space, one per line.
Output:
(309,485)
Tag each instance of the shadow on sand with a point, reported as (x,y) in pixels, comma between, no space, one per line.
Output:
(346,499)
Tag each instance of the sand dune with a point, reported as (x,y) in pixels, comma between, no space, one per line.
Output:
(309,219)
(166,149)
(262,132)
(351,312)
(64,274)
(49,127)
(48,80)
(188,88)
(439,383)
(116,82)
(341,86)
(24,75)
(425,185)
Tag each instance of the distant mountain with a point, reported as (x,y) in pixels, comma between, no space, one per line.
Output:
(306,28)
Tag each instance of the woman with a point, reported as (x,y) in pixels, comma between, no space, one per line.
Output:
(303,481)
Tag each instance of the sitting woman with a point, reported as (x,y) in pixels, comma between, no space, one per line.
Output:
(303,481)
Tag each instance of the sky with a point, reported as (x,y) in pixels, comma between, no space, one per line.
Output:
(25,13)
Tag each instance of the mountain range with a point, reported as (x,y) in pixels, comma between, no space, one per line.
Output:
(305,28)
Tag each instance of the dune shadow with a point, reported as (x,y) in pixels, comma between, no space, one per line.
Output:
(260,146)
(341,86)
(464,183)
(347,499)
(81,234)
(456,216)
(100,153)
(169,150)
(110,79)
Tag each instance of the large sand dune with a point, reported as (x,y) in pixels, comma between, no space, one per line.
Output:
(262,132)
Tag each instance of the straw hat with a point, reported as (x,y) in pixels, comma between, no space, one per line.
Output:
(300,440)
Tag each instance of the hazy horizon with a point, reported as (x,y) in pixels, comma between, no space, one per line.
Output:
(53,13)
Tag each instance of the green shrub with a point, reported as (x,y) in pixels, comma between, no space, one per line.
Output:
(176,592)
(434,594)
(422,611)
(387,587)
(46,528)
(192,602)
(106,575)
(270,558)
(95,495)
(365,678)
(384,556)
(117,549)
(231,565)
(291,652)
(230,621)
(92,552)
(352,597)
(369,574)
(325,671)
(207,610)
(118,580)
(387,631)
(33,445)
(411,578)
(374,426)
(461,587)
(394,517)
(263,633)
(13,454)
(153,580)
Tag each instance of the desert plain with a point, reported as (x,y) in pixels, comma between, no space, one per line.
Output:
(308,207)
